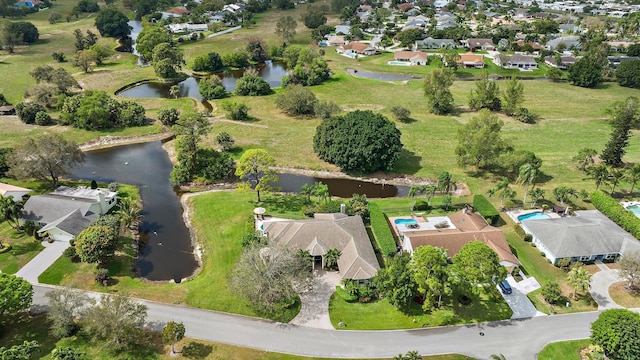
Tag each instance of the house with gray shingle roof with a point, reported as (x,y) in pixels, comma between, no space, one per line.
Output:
(588,236)
(330,231)
(67,211)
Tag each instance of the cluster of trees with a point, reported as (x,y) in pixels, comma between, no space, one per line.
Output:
(628,74)
(251,84)
(112,23)
(297,100)
(361,141)
(18,33)
(155,44)
(51,85)
(430,274)
(205,165)
(616,332)
(88,52)
(97,110)
(210,62)
(306,66)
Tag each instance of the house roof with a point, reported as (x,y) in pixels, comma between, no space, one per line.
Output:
(477,43)
(404,7)
(357,46)
(470,227)
(4,188)
(336,39)
(72,223)
(410,55)
(50,207)
(588,233)
(178,10)
(330,231)
(522,59)
(567,60)
(7,108)
(470,58)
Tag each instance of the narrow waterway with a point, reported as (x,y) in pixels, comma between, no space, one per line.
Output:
(166,252)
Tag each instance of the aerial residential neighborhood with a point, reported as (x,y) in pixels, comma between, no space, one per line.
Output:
(328,179)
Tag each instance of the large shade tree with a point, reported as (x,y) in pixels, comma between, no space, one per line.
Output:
(116,322)
(480,142)
(112,23)
(16,293)
(436,89)
(477,267)
(430,267)
(396,282)
(45,158)
(254,168)
(617,331)
(96,244)
(361,141)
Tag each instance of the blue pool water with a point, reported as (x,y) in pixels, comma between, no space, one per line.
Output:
(323,43)
(533,216)
(635,209)
(405,221)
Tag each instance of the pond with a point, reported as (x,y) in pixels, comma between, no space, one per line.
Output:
(128,44)
(271,71)
(166,251)
(381,76)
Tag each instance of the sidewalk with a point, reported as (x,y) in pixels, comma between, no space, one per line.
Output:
(42,261)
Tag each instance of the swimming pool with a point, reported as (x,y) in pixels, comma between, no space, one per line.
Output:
(635,209)
(533,216)
(405,221)
(402,63)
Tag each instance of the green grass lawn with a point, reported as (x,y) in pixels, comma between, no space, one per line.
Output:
(563,350)
(380,315)
(23,248)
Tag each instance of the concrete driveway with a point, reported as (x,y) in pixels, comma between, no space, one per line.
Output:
(42,261)
(518,301)
(599,287)
(315,302)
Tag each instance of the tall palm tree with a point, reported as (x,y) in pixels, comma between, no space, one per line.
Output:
(446,183)
(307,190)
(615,177)
(129,212)
(536,194)
(321,191)
(599,173)
(11,210)
(527,177)
(579,279)
(564,193)
(504,190)
(174,91)
(633,176)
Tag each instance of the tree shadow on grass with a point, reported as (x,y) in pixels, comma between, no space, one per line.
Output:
(408,162)
(285,203)
(196,350)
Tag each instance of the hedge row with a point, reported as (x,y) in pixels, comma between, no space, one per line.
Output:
(381,230)
(616,212)
(486,209)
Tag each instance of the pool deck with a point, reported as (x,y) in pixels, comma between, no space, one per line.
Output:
(513,214)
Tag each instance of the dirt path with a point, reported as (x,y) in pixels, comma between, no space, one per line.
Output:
(221,118)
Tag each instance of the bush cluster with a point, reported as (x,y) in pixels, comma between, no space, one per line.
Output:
(616,212)
(486,209)
(381,230)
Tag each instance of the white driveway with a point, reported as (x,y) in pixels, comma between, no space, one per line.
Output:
(42,261)
(518,301)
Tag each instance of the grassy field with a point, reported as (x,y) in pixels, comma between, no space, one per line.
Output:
(23,249)
(564,350)
(623,297)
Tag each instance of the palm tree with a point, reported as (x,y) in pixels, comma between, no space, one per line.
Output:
(331,258)
(633,176)
(584,159)
(321,191)
(129,212)
(174,91)
(498,357)
(11,210)
(527,177)
(615,177)
(564,194)
(446,202)
(504,189)
(446,183)
(599,173)
(536,194)
(307,190)
(306,257)
(578,278)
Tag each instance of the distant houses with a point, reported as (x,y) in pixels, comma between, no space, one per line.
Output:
(434,44)
(411,57)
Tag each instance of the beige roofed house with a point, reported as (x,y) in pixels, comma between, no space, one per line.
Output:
(330,231)
(356,48)
(470,60)
(413,57)
(467,227)
(15,192)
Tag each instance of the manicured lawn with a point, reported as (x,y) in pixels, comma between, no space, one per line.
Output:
(380,315)
(23,248)
(564,350)
(624,297)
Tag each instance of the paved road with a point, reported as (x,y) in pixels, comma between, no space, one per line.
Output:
(516,339)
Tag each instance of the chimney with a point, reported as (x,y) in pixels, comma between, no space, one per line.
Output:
(103,204)
(343,208)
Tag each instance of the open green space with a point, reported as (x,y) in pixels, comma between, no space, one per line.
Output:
(23,248)
(564,350)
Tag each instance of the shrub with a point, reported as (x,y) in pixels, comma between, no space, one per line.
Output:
(113,186)
(486,209)
(421,205)
(543,254)
(236,111)
(102,275)
(551,292)
(401,113)
(296,100)
(616,212)
(525,116)
(381,231)
(326,109)
(212,88)
(251,84)
(27,111)
(519,230)
(169,117)
(43,119)
(59,57)
(71,253)
(528,237)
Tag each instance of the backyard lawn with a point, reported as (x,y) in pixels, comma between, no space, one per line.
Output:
(564,350)
(23,248)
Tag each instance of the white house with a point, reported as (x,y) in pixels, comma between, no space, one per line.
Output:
(67,211)
(15,192)
(411,57)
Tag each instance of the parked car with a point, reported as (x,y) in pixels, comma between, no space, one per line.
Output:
(505,287)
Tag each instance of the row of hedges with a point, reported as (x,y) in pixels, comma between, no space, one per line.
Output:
(523,235)
(616,212)
(486,209)
(381,230)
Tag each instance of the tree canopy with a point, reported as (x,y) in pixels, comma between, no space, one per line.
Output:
(431,273)
(628,74)
(254,168)
(624,116)
(479,140)
(396,282)
(313,17)
(46,158)
(251,84)
(116,322)
(616,330)
(23,31)
(585,73)
(149,38)
(286,28)
(476,266)
(96,244)
(361,141)
(296,100)
(112,23)
(436,89)
(16,293)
